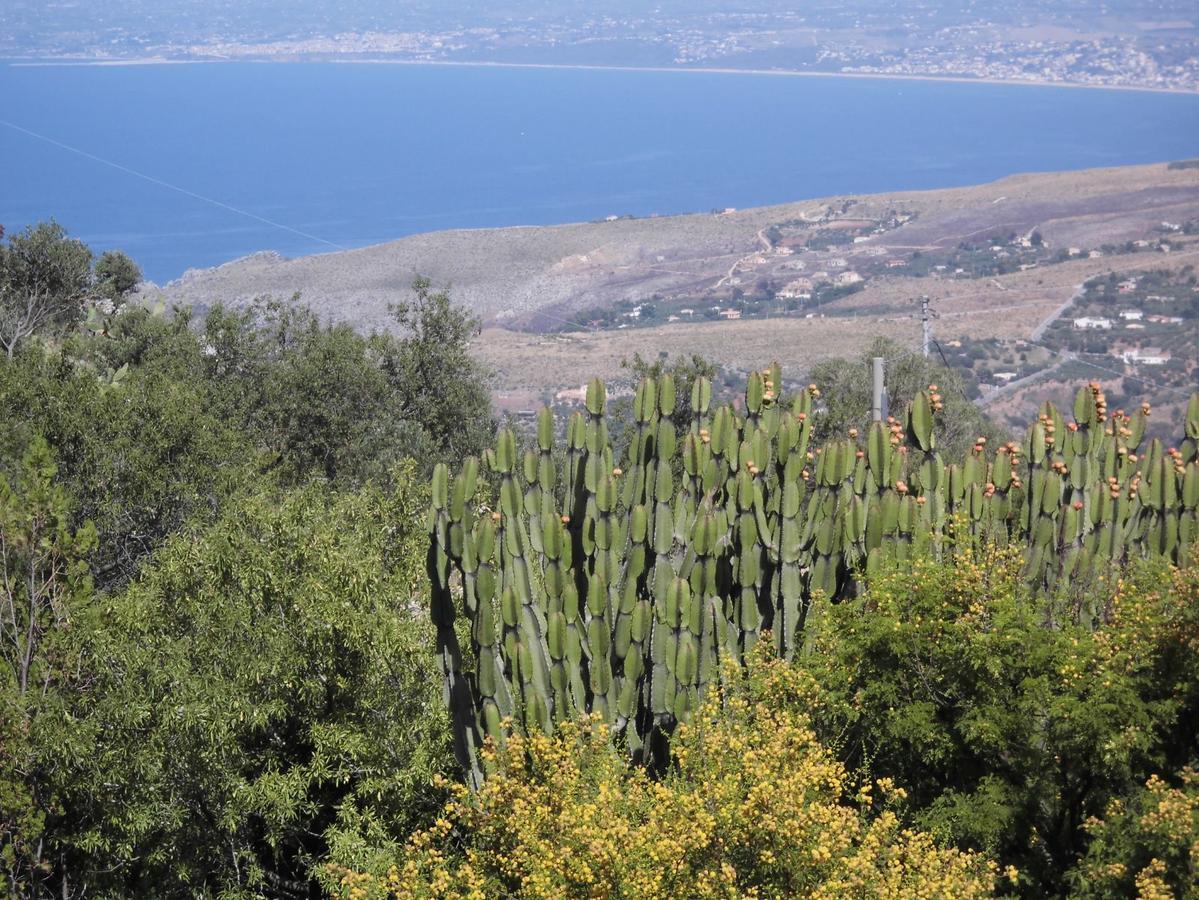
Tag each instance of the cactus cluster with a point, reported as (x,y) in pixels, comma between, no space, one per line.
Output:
(619,588)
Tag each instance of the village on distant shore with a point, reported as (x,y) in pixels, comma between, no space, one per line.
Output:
(1019,42)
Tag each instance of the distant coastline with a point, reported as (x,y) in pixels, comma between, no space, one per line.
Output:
(589,67)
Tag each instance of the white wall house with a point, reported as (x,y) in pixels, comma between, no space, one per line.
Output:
(1147,356)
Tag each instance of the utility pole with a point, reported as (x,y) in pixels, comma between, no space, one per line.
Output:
(878,395)
(926,326)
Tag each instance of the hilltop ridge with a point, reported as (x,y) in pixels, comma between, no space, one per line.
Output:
(799,281)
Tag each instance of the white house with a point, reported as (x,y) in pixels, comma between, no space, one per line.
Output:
(800,287)
(1093,323)
(847,278)
(1131,315)
(1147,356)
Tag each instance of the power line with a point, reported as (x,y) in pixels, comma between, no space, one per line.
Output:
(173,187)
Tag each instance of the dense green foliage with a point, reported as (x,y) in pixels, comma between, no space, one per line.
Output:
(259,696)
(44,279)
(1011,718)
(214,672)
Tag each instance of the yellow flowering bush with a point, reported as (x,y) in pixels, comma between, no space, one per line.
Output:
(1148,847)
(753,807)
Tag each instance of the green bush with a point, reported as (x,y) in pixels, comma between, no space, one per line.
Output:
(1009,723)
(260,698)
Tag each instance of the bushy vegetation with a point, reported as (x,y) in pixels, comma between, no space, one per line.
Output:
(950,706)
(755,806)
(219,677)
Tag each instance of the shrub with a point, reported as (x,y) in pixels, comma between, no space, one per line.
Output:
(261,697)
(753,805)
(1149,845)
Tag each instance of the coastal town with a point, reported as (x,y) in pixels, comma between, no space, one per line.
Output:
(1018,42)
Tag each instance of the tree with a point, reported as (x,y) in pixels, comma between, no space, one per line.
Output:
(260,699)
(846,387)
(45,585)
(44,278)
(138,458)
(440,385)
(319,398)
(116,275)
(1012,720)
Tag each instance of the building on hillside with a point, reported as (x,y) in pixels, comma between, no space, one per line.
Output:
(1131,315)
(1164,320)
(572,395)
(1146,356)
(731,314)
(1093,323)
(795,290)
(845,279)
(896,263)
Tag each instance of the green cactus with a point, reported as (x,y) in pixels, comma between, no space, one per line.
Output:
(626,600)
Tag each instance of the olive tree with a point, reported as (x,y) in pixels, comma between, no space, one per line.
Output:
(44,278)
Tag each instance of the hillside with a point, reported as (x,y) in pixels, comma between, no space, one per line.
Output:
(798,282)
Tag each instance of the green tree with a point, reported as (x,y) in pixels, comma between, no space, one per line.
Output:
(45,586)
(44,278)
(116,274)
(317,397)
(139,457)
(846,388)
(1008,722)
(262,697)
(441,387)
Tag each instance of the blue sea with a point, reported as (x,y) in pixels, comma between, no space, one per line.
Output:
(193,165)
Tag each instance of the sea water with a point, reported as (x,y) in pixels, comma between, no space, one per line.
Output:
(197,164)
